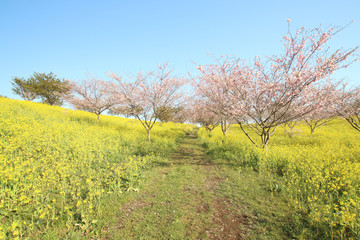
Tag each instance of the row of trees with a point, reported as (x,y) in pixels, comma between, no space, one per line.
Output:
(149,97)
(294,85)
(259,96)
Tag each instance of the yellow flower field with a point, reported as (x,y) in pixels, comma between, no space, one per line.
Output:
(319,172)
(56,165)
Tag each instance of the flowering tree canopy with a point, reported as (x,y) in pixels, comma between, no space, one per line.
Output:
(213,86)
(147,93)
(322,96)
(203,115)
(264,95)
(92,95)
(349,107)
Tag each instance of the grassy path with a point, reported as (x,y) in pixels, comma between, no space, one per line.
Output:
(191,197)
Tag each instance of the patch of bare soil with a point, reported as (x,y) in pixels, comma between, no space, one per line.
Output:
(227,224)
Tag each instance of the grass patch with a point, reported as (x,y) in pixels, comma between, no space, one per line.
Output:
(190,196)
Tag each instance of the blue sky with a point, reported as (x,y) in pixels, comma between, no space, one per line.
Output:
(73,38)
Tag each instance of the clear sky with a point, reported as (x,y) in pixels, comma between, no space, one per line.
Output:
(74,37)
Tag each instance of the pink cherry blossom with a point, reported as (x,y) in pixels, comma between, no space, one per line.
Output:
(263,95)
(92,95)
(144,95)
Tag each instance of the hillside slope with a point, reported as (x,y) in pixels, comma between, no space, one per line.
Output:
(58,165)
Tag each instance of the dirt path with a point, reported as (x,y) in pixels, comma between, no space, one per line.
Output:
(189,197)
(224,222)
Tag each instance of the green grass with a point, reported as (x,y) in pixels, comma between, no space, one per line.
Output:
(191,196)
(318,172)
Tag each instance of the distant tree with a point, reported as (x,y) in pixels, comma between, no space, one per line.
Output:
(50,89)
(181,114)
(172,114)
(22,87)
(92,95)
(202,115)
(143,97)
(166,113)
(323,96)
(348,107)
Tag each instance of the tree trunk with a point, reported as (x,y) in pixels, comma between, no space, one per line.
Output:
(224,129)
(265,136)
(149,138)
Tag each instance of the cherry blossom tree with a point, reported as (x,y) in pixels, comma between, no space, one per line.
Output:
(323,97)
(213,86)
(266,94)
(263,95)
(144,95)
(349,107)
(93,95)
(202,115)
